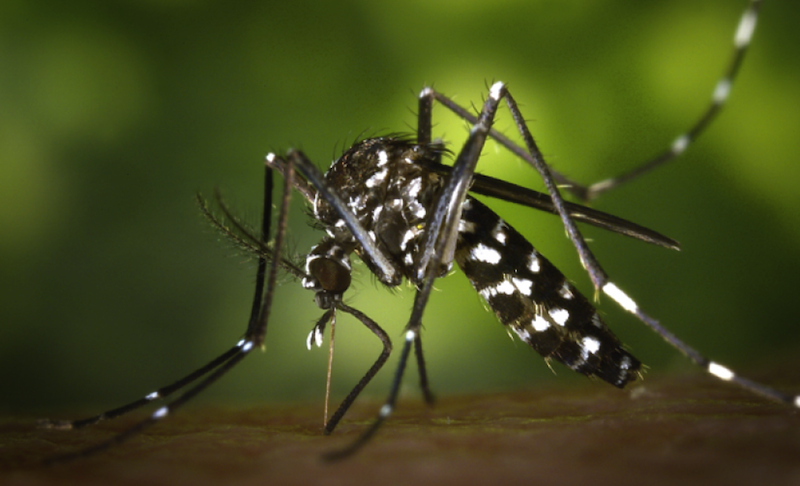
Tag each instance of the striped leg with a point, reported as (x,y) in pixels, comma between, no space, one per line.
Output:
(712,367)
(722,90)
(254,338)
(741,41)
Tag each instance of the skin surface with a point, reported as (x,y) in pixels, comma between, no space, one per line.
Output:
(669,430)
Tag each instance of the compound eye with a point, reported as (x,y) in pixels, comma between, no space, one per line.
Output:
(332,276)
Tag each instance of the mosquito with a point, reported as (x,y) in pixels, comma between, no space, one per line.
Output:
(408,217)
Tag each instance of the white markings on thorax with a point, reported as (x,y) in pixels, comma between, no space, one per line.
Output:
(356,203)
(383,158)
(465,226)
(417,209)
(409,235)
(377,178)
(413,187)
(376,213)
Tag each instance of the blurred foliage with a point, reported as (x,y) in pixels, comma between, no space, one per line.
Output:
(113,114)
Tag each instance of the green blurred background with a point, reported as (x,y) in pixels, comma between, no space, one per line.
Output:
(113,114)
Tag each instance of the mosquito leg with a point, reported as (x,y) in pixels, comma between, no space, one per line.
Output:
(172,388)
(423,373)
(254,337)
(712,367)
(386,409)
(147,399)
(587,258)
(425,116)
(601,282)
(412,332)
(242,349)
(596,273)
(424,129)
(387,349)
(440,238)
(741,41)
(257,328)
(300,185)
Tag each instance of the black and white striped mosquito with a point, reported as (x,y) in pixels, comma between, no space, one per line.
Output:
(407,216)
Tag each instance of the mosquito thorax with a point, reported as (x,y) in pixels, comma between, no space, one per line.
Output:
(382,181)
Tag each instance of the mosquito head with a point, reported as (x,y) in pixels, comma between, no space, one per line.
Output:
(328,273)
(331,274)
